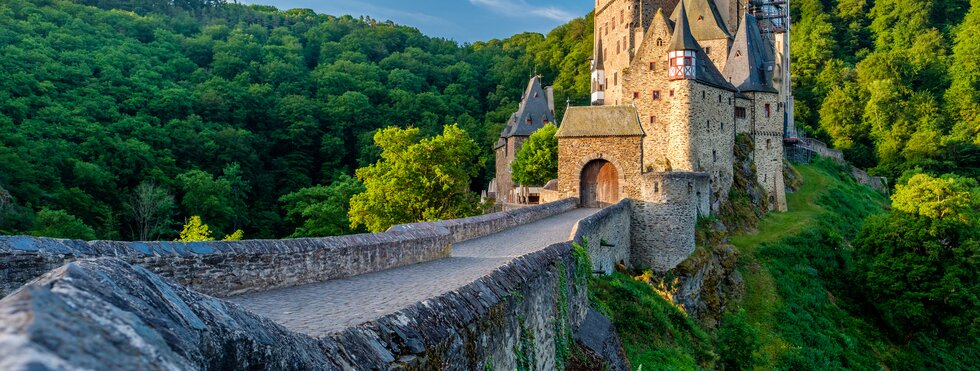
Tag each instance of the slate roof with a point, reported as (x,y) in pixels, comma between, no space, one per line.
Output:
(599,121)
(682,39)
(710,27)
(751,59)
(532,113)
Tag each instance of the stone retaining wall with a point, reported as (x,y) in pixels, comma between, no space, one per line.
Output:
(664,218)
(608,233)
(525,312)
(222,268)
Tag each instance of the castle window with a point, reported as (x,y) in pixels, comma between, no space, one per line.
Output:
(656,187)
(656,95)
(653,66)
(616,81)
(765,178)
(707,126)
(671,92)
(740,112)
(660,42)
(768,110)
(729,100)
(707,50)
(779,106)
(722,126)
(617,46)
(768,143)
(621,20)
(636,95)
(719,98)
(702,95)
(714,155)
(653,119)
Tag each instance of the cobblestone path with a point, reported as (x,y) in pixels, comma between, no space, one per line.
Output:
(322,308)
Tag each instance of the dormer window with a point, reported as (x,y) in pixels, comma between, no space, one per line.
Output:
(738,53)
(529,121)
(700,18)
(536,95)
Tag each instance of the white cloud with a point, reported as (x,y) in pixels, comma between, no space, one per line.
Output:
(520,8)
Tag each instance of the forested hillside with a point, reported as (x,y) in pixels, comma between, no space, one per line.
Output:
(120,119)
(894,84)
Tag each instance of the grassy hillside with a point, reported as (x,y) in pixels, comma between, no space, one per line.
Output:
(800,310)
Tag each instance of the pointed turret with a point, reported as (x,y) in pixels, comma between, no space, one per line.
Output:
(598,76)
(751,60)
(683,49)
(533,113)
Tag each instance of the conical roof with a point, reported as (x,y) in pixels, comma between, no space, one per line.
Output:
(682,39)
(751,59)
(705,21)
(597,65)
(532,113)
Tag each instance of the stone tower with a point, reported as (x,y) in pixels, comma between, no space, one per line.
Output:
(750,68)
(535,111)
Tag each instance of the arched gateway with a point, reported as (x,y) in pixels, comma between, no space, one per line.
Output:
(599,184)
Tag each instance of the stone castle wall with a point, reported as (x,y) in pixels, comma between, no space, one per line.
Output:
(664,218)
(574,153)
(505,157)
(712,120)
(612,20)
(767,136)
(227,268)
(608,235)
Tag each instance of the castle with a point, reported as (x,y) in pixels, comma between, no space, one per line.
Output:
(669,96)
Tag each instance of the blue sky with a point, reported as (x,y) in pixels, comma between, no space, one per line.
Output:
(460,20)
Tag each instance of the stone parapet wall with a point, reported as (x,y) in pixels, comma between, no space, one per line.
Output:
(524,312)
(484,225)
(608,235)
(227,268)
(664,218)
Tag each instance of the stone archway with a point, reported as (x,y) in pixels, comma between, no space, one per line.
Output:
(599,184)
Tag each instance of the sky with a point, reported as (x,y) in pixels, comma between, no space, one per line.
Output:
(460,20)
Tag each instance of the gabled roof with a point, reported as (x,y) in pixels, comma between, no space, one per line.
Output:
(599,121)
(751,59)
(704,19)
(532,113)
(682,39)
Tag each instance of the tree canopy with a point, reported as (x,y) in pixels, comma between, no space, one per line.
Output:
(417,179)
(537,161)
(227,108)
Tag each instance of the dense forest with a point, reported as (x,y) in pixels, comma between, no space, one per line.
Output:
(121,119)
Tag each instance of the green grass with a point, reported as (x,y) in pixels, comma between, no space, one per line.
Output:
(655,334)
(794,265)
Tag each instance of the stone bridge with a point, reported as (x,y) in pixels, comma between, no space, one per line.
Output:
(495,291)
